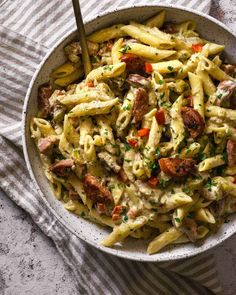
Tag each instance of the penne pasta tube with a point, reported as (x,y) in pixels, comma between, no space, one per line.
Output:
(107,34)
(166,67)
(148,52)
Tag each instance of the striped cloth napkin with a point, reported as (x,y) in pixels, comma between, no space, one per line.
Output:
(28,30)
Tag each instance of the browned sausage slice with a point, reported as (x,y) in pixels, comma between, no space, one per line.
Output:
(189,228)
(231,152)
(122,176)
(140,104)
(229,69)
(193,121)
(134,63)
(169,28)
(137,80)
(176,167)
(44,93)
(95,191)
(46,144)
(62,168)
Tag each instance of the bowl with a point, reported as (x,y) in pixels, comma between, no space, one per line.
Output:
(88,231)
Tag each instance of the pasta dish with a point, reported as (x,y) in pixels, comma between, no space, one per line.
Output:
(146,143)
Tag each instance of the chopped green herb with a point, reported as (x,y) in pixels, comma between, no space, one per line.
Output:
(162,95)
(127,160)
(220,95)
(188,151)
(162,183)
(127,147)
(170,68)
(111,186)
(202,156)
(158,152)
(125,48)
(190,215)
(209,185)
(160,82)
(152,165)
(177,219)
(125,218)
(120,185)
(108,68)
(186,190)
(127,107)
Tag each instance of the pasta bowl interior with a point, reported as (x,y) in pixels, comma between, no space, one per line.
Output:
(157,197)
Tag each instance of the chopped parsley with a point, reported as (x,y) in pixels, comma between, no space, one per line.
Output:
(125,48)
(127,147)
(220,95)
(170,68)
(160,82)
(177,219)
(158,152)
(162,183)
(111,186)
(127,160)
(125,218)
(209,185)
(108,68)
(152,165)
(127,107)
(186,190)
(162,95)
(190,215)
(202,156)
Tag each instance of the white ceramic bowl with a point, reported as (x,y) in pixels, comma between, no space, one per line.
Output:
(90,232)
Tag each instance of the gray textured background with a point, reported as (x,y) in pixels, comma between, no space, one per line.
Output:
(29,262)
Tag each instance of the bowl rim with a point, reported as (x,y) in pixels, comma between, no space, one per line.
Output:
(121,254)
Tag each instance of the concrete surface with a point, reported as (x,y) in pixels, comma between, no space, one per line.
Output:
(29,262)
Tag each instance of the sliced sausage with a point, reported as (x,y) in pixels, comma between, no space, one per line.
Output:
(193,121)
(122,176)
(231,152)
(176,167)
(45,145)
(137,80)
(140,107)
(44,93)
(73,195)
(134,63)
(190,229)
(95,191)
(62,168)
(225,94)
(73,50)
(229,69)
(169,28)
